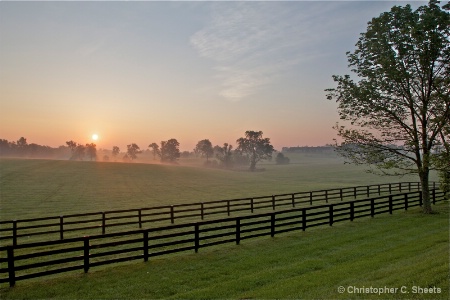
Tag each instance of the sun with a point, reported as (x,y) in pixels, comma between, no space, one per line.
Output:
(95,136)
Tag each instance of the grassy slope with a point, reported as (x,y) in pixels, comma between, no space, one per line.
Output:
(63,187)
(404,249)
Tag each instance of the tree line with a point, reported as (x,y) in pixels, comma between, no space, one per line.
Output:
(250,149)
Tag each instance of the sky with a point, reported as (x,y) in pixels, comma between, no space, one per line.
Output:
(144,72)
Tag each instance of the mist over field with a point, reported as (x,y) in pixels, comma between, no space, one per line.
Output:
(37,187)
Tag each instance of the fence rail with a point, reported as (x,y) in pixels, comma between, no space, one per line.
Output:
(65,226)
(38,259)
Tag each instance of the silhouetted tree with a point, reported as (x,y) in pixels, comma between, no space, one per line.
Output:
(155,150)
(225,155)
(204,148)
(91,150)
(79,152)
(132,151)
(400,105)
(115,152)
(281,159)
(170,150)
(256,147)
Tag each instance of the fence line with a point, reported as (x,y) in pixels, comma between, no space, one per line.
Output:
(83,253)
(100,221)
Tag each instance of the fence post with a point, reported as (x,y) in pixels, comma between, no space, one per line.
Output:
(406,201)
(197,237)
(420,199)
(273,202)
(434,196)
(145,245)
(340,194)
(354,192)
(368,191)
(228,207)
(11,271)
(326,196)
(238,231)
(400,187)
(409,186)
(372,207)
(103,222)
(86,254)
(390,188)
(310,198)
(390,204)
(172,215)
(140,217)
(293,200)
(61,227)
(352,211)
(331,215)
(304,219)
(15,233)
(379,190)
(251,204)
(272,224)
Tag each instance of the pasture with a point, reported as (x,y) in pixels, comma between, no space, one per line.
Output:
(404,251)
(378,252)
(37,188)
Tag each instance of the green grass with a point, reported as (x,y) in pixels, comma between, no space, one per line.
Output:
(37,188)
(406,249)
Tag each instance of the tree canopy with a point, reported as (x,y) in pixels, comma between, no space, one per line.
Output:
(397,109)
(170,150)
(204,148)
(255,146)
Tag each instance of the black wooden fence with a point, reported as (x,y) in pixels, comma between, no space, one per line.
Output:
(38,259)
(123,220)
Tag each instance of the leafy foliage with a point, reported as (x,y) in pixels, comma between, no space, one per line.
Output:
(400,105)
(255,146)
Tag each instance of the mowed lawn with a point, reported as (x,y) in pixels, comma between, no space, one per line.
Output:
(404,255)
(38,188)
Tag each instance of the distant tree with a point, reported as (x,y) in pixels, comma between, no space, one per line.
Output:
(115,152)
(185,154)
(281,159)
(105,157)
(91,150)
(204,148)
(170,150)
(225,155)
(79,152)
(399,105)
(72,145)
(256,147)
(22,143)
(155,150)
(132,151)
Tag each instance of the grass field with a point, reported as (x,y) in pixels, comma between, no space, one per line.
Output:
(406,252)
(36,188)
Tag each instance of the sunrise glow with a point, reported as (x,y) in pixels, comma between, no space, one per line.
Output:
(95,136)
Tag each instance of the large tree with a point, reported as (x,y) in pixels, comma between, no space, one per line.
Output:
(155,150)
(255,146)
(205,148)
(399,103)
(132,151)
(91,150)
(224,155)
(169,150)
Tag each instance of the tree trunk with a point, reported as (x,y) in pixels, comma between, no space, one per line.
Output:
(252,165)
(424,177)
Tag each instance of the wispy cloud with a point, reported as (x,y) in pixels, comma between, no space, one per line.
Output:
(255,43)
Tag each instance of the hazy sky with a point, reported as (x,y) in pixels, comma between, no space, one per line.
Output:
(143,72)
